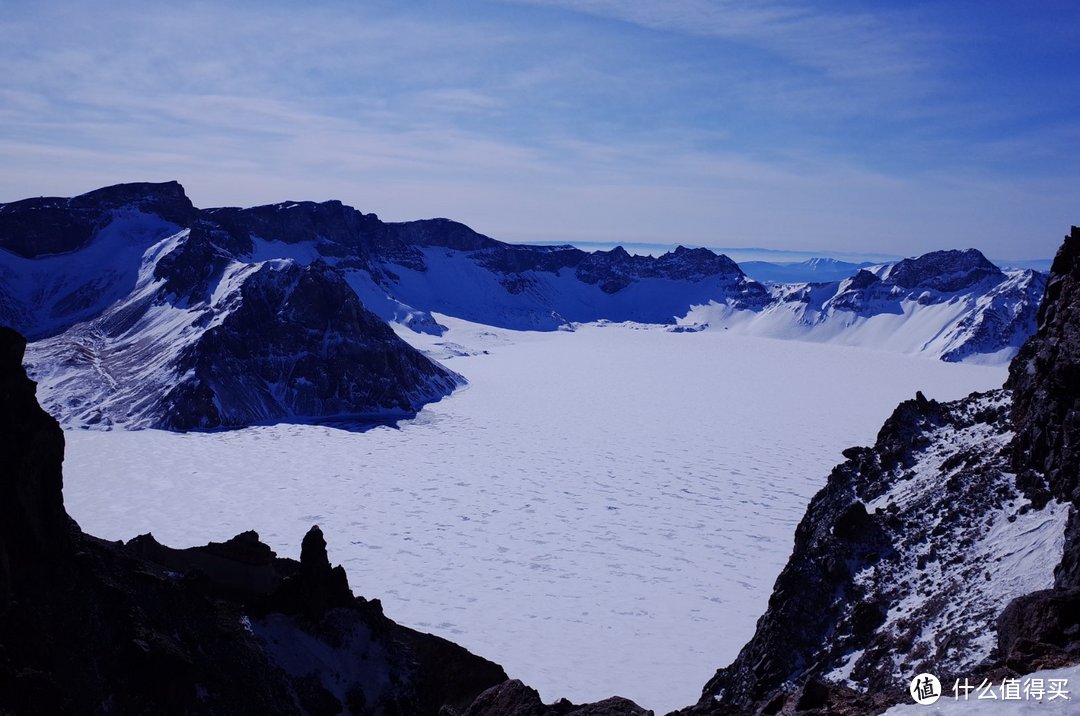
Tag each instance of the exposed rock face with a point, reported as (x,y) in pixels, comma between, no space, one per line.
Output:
(616,269)
(945,271)
(950,546)
(1045,380)
(32,516)
(513,698)
(298,345)
(39,227)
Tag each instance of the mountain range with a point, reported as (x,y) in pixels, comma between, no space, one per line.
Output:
(814,270)
(144,311)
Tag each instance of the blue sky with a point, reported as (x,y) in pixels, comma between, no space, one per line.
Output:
(892,128)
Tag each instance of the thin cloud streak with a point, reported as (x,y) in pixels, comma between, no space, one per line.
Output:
(529,123)
(849,46)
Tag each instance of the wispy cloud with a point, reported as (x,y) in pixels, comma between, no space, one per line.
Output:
(703,122)
(845,45)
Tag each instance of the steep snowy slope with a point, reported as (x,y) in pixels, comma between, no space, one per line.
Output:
(60,265)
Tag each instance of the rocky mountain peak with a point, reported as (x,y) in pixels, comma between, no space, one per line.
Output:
(155,196)
(862,279)
(292,221)
(443,233)
(946,271)
(45,226)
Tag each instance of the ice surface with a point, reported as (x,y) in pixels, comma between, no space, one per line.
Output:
(601,511)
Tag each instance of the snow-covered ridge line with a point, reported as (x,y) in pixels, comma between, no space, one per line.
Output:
(953,305)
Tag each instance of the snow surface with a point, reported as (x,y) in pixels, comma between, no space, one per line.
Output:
(602,511)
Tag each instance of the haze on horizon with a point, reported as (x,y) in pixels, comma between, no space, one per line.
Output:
(892,128)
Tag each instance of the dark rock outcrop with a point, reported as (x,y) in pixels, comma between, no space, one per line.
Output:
(944,271)
(1045,381)
(32,515)
(513,698)
(298,345)
(51,225)
(1040,630)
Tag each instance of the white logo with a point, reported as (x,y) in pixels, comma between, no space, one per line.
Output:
(925,689)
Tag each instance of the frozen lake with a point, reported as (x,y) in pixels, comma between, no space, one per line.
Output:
(601,512)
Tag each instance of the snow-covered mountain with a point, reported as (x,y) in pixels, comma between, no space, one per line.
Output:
(816,270)
(147,316)
(146,311)
(953,305)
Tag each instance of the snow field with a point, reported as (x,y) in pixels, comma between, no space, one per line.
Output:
(601,512)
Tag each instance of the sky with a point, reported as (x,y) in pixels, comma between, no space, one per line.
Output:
(852,128)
